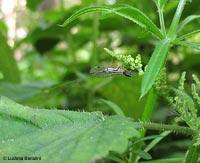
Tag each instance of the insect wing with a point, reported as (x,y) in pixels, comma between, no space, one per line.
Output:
(100,71)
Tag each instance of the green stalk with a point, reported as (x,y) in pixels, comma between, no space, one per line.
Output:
(162,23)
(149,107)
(193,154)
(176,19)
(163,127)
(161,18)
(94,59)
(148,110)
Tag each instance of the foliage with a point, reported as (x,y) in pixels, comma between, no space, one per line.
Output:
(8,66)
(68,133)
(53,72)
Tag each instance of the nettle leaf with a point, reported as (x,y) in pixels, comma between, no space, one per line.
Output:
(155,64)
(61,136)
(125,11)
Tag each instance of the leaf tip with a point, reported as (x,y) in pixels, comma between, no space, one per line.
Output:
(142,95)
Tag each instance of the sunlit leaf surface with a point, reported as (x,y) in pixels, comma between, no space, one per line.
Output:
(70,136)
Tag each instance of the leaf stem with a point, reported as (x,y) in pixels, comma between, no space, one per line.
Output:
(164,127)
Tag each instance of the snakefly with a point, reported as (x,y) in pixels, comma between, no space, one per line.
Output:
(101,71)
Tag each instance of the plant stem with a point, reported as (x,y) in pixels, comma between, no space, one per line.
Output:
(148,110)
(162,23)
(164,127)
(161,18)
(94,59)
(193,153)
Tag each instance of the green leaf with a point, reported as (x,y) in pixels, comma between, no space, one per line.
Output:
(20,92)
(143,154)
(32,5)
(8,65)
(125,11)
(146,138)
(188,44)
(149,107)
(173,27)
(155,64)
(154,142)
(186,21)
(113,106)
(61,136)
(189,34)
(168,160)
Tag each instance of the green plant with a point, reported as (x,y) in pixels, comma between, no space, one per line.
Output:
(167,39)
(73,137)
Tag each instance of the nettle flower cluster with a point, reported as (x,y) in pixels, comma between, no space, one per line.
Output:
(130,62)
(187,106)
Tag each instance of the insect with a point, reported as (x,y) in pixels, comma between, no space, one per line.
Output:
(101,71)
